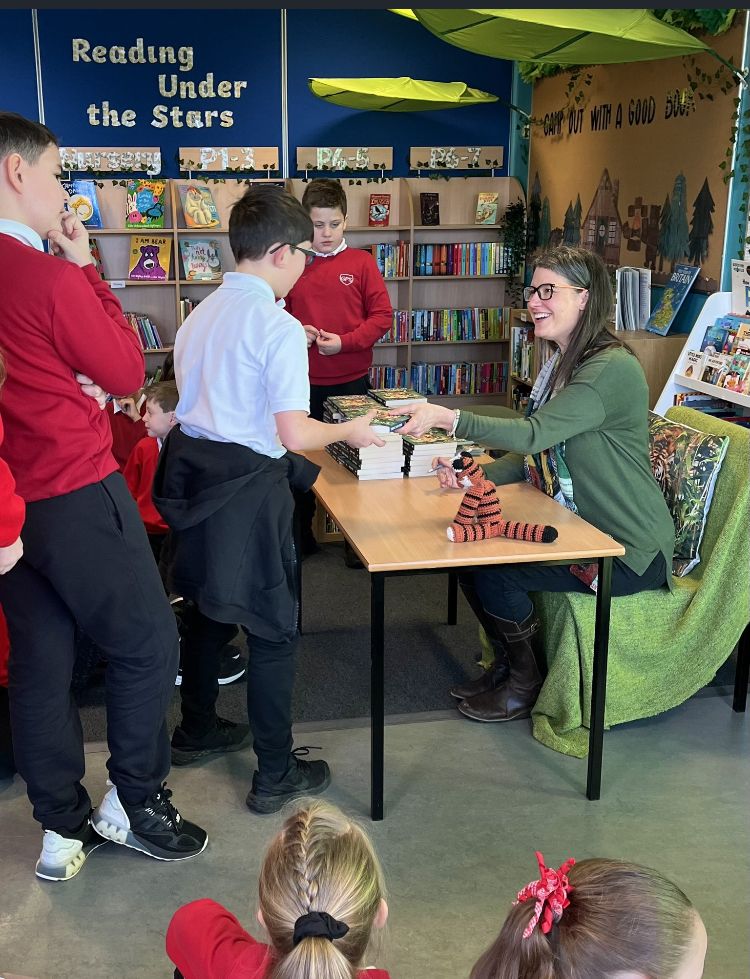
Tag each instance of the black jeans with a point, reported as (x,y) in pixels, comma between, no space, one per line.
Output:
(270,683)
(305,502)
(87,560)
(504,590)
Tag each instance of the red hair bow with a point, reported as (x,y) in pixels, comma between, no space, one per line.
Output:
(551,895)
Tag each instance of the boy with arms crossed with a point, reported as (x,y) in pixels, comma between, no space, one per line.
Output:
(343,303)
(223,486)
(86,555)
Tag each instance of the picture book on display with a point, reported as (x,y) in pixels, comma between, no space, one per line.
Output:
(97,256)
(144,206)
(83,201)
(198,206)
(429,209)
(486,209)
(740,287)
(201,259)
(149,257)
(679,285)
(379,210)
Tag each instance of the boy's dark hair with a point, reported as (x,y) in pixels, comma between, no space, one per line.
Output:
(264,216)
(324,193)
(20,135)
(164,393)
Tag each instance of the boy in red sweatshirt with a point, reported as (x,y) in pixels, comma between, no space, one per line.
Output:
(343,304)
(86,558)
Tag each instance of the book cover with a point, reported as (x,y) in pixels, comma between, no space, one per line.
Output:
(198,206)
(715,368)
(738,371)
(393,397)
(486,209)
(149,257)
(97,256)
(429,208)
(379,212)
(677,288)
(740,287)
(201,259)
(692,364)
(144,207)
(83,201)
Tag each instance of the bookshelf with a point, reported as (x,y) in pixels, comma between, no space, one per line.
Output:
(718,304)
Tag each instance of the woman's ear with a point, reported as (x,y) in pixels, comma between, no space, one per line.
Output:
(583,298)
(381,915)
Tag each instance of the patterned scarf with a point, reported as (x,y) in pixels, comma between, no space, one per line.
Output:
(547,470)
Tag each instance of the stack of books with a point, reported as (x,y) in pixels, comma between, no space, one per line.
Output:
(375,461)
(420,450)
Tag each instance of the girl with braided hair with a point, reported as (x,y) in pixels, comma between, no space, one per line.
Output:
(597,918)
(321,893)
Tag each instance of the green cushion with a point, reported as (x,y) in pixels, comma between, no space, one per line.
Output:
(686,463)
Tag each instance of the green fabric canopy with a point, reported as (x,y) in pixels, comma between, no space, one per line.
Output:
(561,37)
(397,94)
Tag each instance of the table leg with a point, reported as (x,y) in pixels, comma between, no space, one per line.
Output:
(377,696)
(452,598)
(599,679)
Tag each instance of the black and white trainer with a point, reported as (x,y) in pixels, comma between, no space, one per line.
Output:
(154,826)
(63,854)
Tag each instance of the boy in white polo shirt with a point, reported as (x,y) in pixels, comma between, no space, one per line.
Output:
(224,487)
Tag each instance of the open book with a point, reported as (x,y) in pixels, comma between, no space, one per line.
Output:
(633,298)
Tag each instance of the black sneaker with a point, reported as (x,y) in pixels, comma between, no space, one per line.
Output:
(301,778)
(154,827)
(224,736)
(233,666)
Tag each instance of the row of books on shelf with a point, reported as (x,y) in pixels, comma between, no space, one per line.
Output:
(461,258)
(146,329)
(724,355)
(449,325)
(392,259)
(144,204)
(460,378)
(150,259)
(186,308)
(527,355)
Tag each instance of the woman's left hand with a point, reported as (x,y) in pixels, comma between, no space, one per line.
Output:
(424,416)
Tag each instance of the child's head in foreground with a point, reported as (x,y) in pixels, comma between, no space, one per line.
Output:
(269,231)
(595,919)
(161,402)
(325,202)
(321,893)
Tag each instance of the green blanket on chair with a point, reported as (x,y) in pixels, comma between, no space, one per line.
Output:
(663,647)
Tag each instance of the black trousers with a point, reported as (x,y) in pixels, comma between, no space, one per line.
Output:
(504,590)
(270,683)
(87,559)
(305,502)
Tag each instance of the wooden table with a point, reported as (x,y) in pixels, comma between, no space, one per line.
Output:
(398,526)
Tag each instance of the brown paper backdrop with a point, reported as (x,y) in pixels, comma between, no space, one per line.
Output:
(623,174)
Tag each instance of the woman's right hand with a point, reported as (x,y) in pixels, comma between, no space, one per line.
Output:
(446,474)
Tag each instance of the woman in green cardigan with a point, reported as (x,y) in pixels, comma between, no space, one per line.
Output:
(583,441)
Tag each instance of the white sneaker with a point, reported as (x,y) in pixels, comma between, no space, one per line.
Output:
(63,856)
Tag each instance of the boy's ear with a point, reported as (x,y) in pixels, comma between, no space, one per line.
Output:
(281,256)
(12,167)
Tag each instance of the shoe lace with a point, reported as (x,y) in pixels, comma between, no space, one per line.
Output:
(305,749)
(162,808)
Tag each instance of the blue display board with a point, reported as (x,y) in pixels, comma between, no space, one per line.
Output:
(376,43)
(162,78)
(17,69)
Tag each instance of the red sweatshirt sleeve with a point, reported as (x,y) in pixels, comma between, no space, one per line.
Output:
(93,336)
(12,507)
(377,309)
(205,941)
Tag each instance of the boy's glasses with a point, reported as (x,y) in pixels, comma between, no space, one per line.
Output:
(308,253)
(546,290)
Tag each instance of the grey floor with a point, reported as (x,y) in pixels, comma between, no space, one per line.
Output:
(466,806)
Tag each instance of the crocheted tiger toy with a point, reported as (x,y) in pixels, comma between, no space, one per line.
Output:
(480,515)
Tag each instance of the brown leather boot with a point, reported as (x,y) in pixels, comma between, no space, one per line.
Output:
(499,671)
(514,698)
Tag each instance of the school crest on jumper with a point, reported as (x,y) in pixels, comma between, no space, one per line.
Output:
(346,278)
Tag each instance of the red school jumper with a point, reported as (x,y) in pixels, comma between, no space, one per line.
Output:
(12,510)
(344,294)
(139,474)
(205,941)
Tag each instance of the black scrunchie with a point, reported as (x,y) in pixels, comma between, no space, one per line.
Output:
(318,924)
